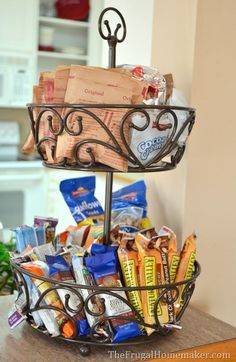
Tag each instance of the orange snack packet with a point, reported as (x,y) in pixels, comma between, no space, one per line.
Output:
(128,258)
(51,298)
(151,274)
(90,85)
(186,267)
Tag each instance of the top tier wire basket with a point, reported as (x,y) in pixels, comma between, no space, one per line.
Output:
(58,118)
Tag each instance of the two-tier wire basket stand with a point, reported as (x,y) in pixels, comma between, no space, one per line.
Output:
(158,163)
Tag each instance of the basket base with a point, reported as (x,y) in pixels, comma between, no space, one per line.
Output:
(86,342)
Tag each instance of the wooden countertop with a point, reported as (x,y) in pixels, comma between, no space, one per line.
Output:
(26,344)
(224,350)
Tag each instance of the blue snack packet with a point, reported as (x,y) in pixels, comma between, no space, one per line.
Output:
(97,249)
(27,235)
(103,269)
(78,194)
(133,195)
(59,269)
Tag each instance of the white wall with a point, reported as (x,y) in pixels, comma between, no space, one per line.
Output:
(136,48)
(200,195)
(172,52)
(211,172)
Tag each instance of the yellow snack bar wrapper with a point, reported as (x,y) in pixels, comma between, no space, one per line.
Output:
(168,241)
(151,274)
(186,267)
(166,275)
(128,258)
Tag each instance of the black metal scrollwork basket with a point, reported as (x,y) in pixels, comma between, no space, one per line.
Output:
(71,120)
(184,288)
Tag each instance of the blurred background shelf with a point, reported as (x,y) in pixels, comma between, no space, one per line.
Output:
(63,22)
(58,55)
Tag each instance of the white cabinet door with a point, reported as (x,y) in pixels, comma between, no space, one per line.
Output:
(18,25)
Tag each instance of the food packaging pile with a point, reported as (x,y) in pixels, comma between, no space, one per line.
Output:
(127,84)
(136,255)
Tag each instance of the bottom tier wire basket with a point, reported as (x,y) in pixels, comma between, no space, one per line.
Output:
(166,295)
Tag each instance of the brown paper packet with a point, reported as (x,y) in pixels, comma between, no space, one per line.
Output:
(60,83)
(47,79)
(42,93)
(151,274)
(169,86)
(96,85)
(186,267)
(29,145)
(40,96)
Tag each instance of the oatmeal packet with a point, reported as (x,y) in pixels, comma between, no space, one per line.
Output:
(91,85)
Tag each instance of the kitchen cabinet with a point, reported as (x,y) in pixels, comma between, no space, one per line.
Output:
(17,26)
(74,42)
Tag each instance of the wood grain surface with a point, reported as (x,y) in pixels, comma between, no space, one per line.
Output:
(26,344)
(214,352)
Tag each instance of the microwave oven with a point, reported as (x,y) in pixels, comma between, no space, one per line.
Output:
(17,75)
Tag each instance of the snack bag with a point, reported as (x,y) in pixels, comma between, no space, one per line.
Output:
(27,235)
(131,195)
(129,206)
(186,267)
(177,99)
(83,277)
(165,242)
(21,301)
(155,82)
(49,223)
(41,251)
(59,269)
(169,242)
(147,144)
(96,236)
(52,319)
(128,258)
(97,249)
(78,193)
(151,274)
(103,269)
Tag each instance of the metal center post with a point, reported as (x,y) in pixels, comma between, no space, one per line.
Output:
(112,40)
